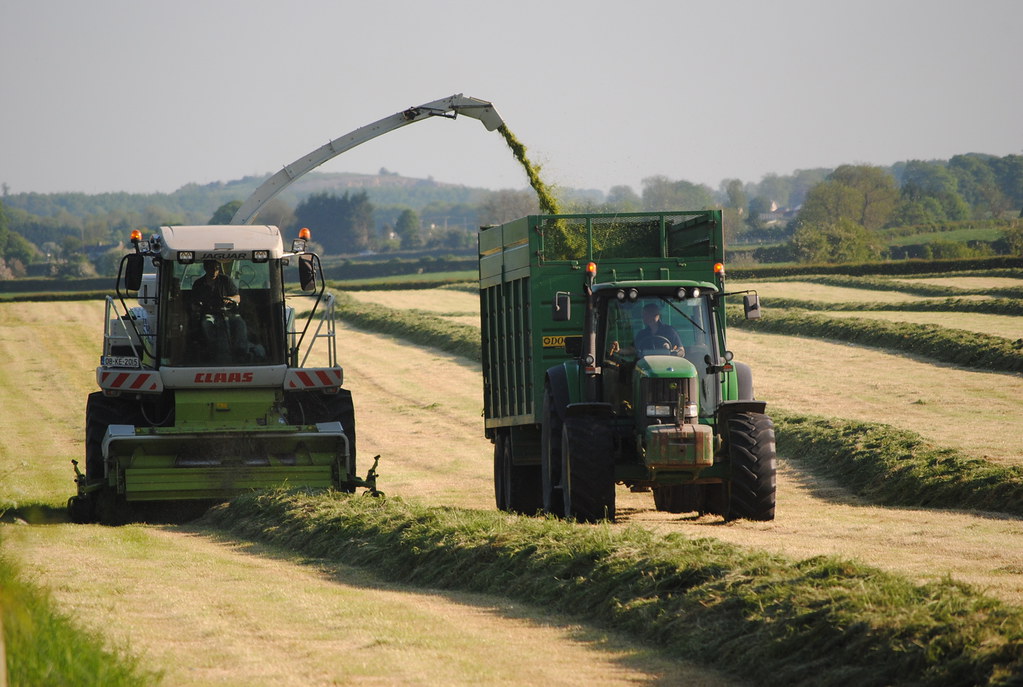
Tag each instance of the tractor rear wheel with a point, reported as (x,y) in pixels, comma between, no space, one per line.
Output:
(587,469)
(753,465)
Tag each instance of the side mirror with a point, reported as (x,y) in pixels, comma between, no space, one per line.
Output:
(561,307)
(133,268)
(306,272)
(751,304)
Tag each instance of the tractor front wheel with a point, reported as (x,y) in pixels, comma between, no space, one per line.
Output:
(753,465)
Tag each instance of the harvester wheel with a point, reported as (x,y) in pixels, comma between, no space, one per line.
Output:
(111,508)
(100,412)
(311,407)
(81,509)
(550,457)
(587,469)
(517,487)
(753,459)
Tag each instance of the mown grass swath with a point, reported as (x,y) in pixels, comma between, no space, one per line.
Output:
(412,325)
(988,306)
(897,467)
(919,289)
(45,647)
(958,346)
(768,619)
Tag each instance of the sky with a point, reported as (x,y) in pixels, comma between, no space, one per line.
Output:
(145,96)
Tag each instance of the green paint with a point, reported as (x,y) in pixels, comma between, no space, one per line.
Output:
(548,205)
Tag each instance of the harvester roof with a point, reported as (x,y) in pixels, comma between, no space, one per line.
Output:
(221,242)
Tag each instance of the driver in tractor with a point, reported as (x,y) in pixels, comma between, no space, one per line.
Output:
(215,298)
(656,335)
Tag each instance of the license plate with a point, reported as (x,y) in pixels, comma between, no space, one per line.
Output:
(120,361)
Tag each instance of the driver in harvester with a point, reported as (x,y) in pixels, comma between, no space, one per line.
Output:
(656,335)
(214,297)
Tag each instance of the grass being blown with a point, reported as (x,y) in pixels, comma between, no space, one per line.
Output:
(768,619)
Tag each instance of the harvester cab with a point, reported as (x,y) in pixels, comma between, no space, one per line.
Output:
(211,381)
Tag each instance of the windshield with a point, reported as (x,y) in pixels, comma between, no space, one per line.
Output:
(654,325)
(222,313)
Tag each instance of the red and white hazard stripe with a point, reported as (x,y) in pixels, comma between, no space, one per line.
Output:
(314,378)
(129,380)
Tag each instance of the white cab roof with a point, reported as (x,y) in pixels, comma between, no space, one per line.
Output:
(221,242)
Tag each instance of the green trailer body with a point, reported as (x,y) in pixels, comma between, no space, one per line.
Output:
(571,402)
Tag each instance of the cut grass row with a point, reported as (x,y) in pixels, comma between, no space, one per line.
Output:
(943,344)
(45,647)
(988,306)
(762,617)
(914,468)
(872,283)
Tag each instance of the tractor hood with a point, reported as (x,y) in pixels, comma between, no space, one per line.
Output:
(671,366)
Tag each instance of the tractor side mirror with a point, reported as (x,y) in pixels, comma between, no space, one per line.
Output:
(751,304)
(133,268)
(561,307)
(306,272)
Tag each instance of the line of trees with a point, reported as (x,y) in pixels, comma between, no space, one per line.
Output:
(827,215)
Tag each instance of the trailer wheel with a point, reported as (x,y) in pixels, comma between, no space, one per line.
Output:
(587,468)
(501,471)
(516,487)
(751,452)
(550,457)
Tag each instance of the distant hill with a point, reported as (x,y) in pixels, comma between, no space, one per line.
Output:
(196,203)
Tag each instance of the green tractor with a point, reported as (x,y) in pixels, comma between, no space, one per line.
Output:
(605,362)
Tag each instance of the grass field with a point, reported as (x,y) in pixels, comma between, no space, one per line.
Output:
(419,408)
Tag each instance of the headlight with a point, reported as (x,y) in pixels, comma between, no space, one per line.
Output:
(186,257)
(658,411)
(260,255)
(692,410)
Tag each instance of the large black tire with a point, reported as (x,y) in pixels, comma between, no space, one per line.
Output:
(690,498)
(753,466)
(502,471)
(517,487)
(311,407)
(676,498)
(587,468)
(105,504)
(550,457)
